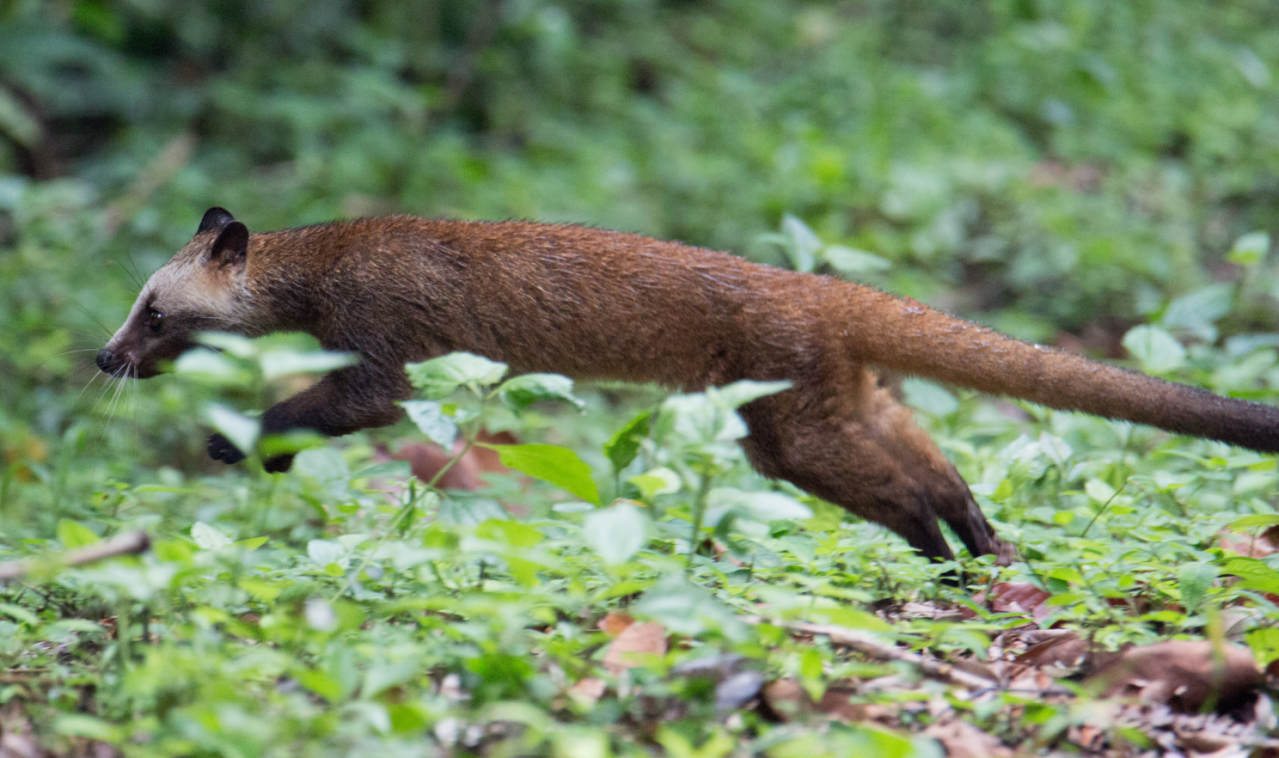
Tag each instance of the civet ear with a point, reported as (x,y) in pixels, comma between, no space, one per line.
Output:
(214,220)
(231,248)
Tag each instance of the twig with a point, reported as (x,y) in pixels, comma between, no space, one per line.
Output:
(867,644)
(129,543)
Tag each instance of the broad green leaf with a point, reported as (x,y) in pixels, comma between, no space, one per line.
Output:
(327,467)
(512,533)
(208,538)
(551,463)
(624,445)
(615,533)
(389,470)
(1194,580)
(234,344)
(19,614)
(1157,350)
(803,243)
(277,363)
(846,260)
(1198,311)
(318,682)
(1253,574)
(761,506)
(928,397)
(522,391)
(16,122)
(657,481)
(1250,249)
(205,365)
(1254,521)
(431,420)
(439,377)
(325,552)
(740,393)
(73,534)
(241,430)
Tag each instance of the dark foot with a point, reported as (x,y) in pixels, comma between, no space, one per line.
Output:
(221,449)
(279,464)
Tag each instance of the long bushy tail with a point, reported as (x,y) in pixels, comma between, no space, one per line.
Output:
(906,336)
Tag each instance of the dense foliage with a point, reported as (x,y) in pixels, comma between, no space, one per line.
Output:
(1092,174)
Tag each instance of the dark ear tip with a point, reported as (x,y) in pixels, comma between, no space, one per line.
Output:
(232,243)
(214,219)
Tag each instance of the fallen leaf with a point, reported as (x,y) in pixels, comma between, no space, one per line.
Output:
(963,740)
(635,643)
(1066,650)
(787,701)
(426,460)
(614,624)
(1185,674)
(1249,546)
(1020,597)
(587,691)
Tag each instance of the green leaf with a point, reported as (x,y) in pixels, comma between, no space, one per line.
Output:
(551,463)
(1198,311)
(740,393)
(1250,249)
(1194,580)
(319,682)
(803,243)
(846,260)
(431,420)
(512,533)
(1254,521)
(522,391)
(928,397)
(615,533)
(207,538)
(19,614)
(1157,350)
(241,430)
(204,365)
(439,377)
(234,344)
(657,481)
(278,363)
(73,534)
(624,445)
(1253,574)
(16,122)
(761,506)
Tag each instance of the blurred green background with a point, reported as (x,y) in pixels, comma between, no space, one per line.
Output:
(1060,170)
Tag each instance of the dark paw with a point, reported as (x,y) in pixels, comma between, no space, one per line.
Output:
(221,449)
(279,464)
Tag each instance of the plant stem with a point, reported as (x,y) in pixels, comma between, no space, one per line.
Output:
(699,511)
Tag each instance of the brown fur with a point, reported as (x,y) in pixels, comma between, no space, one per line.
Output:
(591,303)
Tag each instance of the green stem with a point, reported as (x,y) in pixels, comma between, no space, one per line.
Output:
(699,512)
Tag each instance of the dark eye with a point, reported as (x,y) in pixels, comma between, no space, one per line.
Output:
(154,319)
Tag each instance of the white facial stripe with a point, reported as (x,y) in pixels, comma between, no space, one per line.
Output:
(184,286)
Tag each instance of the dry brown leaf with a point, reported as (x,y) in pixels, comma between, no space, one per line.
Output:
(963,740)
(587,691)
(636,642)
(1019,597)
(1066,650)
(426,460)
(614,624)
(1250,546)
(787,701)
(1185,674)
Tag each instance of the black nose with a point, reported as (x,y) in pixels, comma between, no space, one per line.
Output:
(108,362)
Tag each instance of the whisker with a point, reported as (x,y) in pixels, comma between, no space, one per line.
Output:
(89,384)
(94,318)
